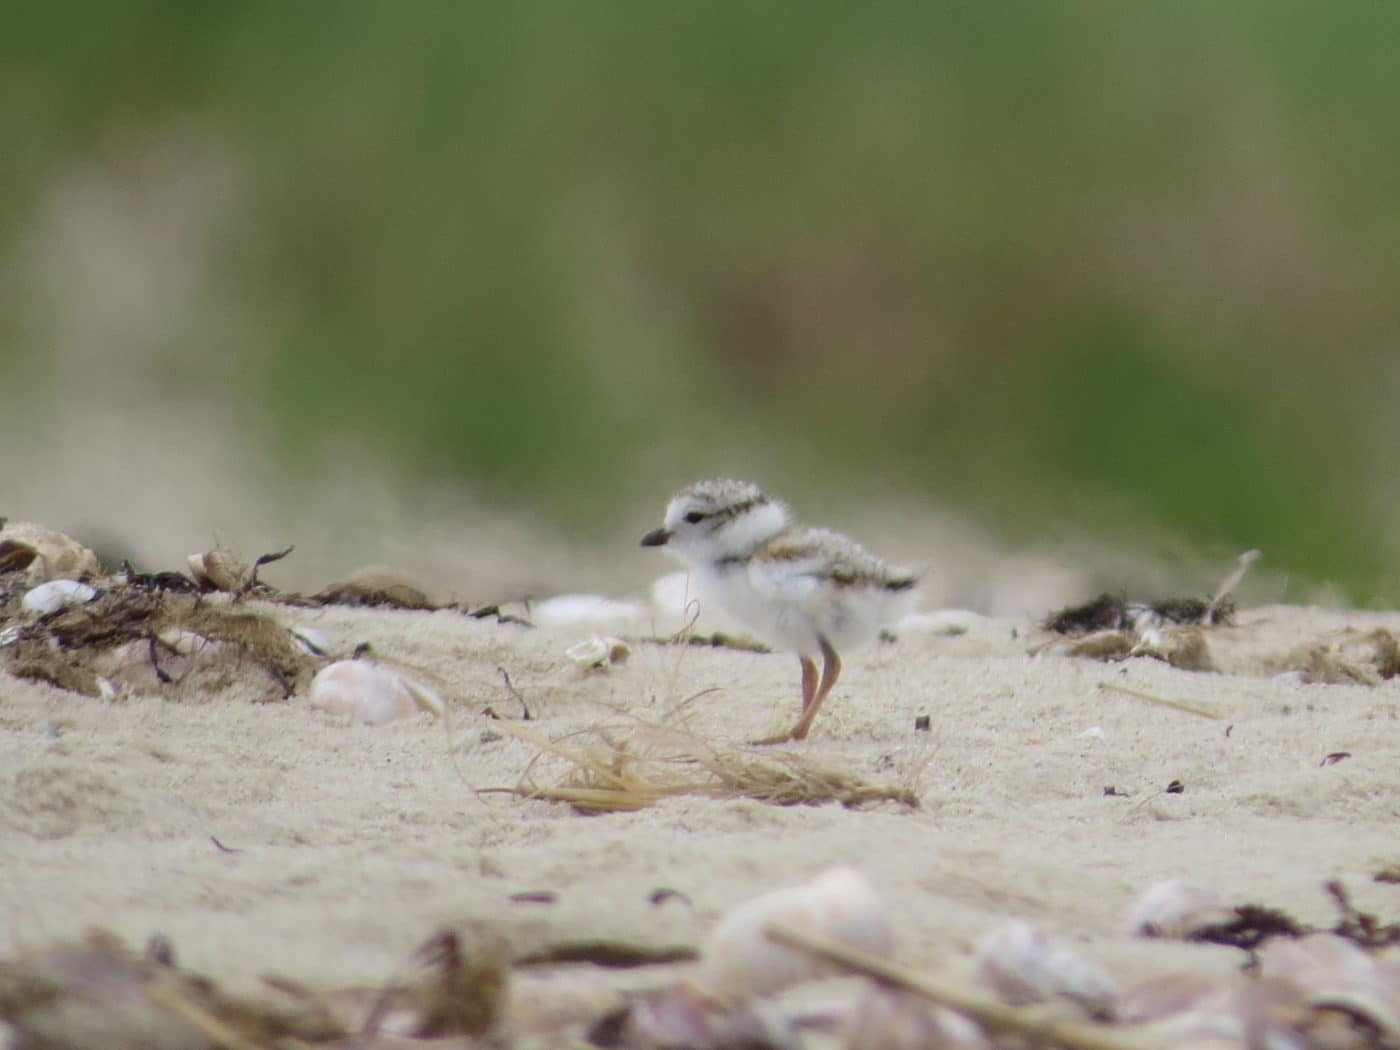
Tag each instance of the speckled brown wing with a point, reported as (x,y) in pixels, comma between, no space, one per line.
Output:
(834,558)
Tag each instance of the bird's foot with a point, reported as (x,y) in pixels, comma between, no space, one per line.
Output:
(770,740)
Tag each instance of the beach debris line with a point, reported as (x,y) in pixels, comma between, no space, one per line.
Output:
(1307,990)
(1180,910)
(1114,612)
(133,636)
(65,623)
(751,985)
(727,1002)
(946,1003)
(1109,612)
(1110,627)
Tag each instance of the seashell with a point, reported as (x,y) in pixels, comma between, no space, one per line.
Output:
(1175,909)
(1023,965)
(370,692)
(218,570)
(573,609)
(55,595)
(43,553)
(739,960)
(888,1019)
(599,652)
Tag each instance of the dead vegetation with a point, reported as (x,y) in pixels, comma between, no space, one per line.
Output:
(1178,631)
(1113,612)
(1112,628)
(176,633)
(1300,987)
(609,773)
(156,634)
(98,993)
(1348,657)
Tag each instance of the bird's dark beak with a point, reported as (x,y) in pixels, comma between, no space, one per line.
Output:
(656,538)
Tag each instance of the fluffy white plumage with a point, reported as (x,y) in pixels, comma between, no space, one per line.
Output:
(810,591)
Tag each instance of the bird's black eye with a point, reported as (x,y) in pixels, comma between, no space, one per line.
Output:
(695,517)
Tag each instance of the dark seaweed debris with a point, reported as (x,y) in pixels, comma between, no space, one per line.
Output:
(73,648)
(1110,612)
(1250,925)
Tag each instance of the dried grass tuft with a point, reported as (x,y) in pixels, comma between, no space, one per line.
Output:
(610,775)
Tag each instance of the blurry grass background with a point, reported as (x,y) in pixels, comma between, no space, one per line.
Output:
(1121,271)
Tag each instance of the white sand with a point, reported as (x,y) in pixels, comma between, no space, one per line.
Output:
(355,843)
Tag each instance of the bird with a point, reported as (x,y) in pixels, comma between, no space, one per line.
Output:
(814,592)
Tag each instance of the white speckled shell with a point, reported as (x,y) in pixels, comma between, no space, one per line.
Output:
(1174,909)
(370,692)
(1024,965)
(55,595)
(740,961)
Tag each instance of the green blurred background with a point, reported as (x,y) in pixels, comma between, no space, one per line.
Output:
(1069,268)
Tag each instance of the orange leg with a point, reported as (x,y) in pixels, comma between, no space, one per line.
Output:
(810,689)
(809,683)
(831,670)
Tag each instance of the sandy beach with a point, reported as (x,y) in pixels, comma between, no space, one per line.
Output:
(262,836)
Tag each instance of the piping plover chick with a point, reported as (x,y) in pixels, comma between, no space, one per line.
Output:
(810,591)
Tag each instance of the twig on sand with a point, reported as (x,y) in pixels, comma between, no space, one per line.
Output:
(1231,581)
(1199,710)
(990,1014)
(515,693)
(212,1028)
